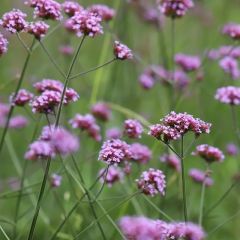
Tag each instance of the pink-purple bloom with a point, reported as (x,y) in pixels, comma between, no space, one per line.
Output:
(209,153)
(228,95)
(71,8)
(38,29)
(232,30)
(172,161)
(55,180)
(230,66)
(133,128)
(121,51)
(187,62)
(105,12)
(232,149)
(200,177)
(113,133)
(14,21)
(3,45)
(140,153)
(101,111)
(22,98)
(152,182)
(18,122)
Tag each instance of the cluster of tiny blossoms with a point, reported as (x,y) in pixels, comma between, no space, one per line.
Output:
(152,182)
(133,128)
(140,153)
(230,66)
(209,153)
(175,125)
(200,177)
(121,51)
(101,111)
(38,29)
(145,228)
(70,8)
(175,8)
(22,98)
(105,12)
(187,62)
(3,44)
(172,161)
(228,95)
(232,30)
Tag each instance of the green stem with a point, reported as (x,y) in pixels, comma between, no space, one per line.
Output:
(67,81)
(202,203)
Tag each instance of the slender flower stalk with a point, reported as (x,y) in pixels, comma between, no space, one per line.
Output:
(15,94)
(67,81)
(23,43)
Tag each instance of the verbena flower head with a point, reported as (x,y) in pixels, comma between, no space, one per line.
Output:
(14,21)
(67,50)
(101,111)
(200,177)
(71,7)
(179,79)
(87,123)
(121,51)
(232,30)
(46,9)
(55,180)
(209,153)
(113,133)
(85,23)
(140,153)
(114,151)
(228,95)
(3,45)
(22,98)
(105,12)
(18,122)
(133,128)
(48,84)
(172,161)
(152,182)
(114,175)
(232,149)
(187,62)
(188,231)
(175,8)
(40,150)
(230,66)
(38,29)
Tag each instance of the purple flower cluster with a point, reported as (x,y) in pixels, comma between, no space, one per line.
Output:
(187,62)
(175,125)
(175,8)
(3,45)
(51,142)
(230,66)
(55,180)
(14,21)
(114,174)
(46,9)
(138,228)
(113,133)
(18,122)
(232,149)
(105,12)
(84,23)
(38,29)
(232,30)
(121,51)
(200,177)
(224,51)
(51,91)
(71,7)
(140,153)
(22,98)
(114,151)
(209,153)
(87,123)
(228,95)
(172,161)
(101,111)
(133,128)
(152,182)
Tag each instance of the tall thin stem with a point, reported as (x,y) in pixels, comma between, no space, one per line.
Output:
(67,81)
(40,197)
(15,94)
(183,182)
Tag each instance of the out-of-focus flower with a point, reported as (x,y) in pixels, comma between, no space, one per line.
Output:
(113,175)
(38,29)
(46,9)
(71,7)
(22,98)
(179,79)
(200,177)
(228,95)
(14,21)
(3,45)
(230,66)
(114,151)
(172,161)
(140,153)
(232,30)
(55,180)
(66,50)
(113,133)
(175,8)
(232,149)
(121,51)
(209,153)
(101,111)
(152,182)
(48,84)
(105,12)
(133,128)
(84,23)
(18,122)
(187,62)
